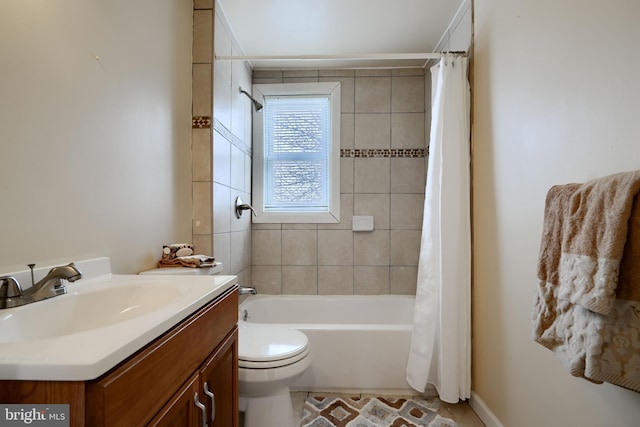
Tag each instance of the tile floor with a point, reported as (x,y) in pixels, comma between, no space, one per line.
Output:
(460,412)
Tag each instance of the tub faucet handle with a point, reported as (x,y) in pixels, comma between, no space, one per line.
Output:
(241,206)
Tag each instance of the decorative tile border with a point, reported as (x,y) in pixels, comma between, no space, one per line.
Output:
(201,122)
(229,136)
(205,122)
(386,152)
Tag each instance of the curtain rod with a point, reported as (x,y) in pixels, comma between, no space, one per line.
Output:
(353,57)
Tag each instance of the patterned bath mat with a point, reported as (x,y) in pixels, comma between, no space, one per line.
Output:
(320,411)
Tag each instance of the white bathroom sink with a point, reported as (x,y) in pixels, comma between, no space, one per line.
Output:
(79,311)
(98,323)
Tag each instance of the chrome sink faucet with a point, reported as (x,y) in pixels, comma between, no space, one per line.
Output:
(51,285)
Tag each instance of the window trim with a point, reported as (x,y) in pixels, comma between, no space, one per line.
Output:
(332,89)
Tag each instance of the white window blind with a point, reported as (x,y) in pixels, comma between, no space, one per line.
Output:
(297,131)
(296,157)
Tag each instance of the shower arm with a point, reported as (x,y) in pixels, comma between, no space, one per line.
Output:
(258,106)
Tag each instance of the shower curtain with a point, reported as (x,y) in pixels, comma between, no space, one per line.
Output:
(440,352)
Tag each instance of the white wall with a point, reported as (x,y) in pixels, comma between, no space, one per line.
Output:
(457,37)
(95,104)
(555,100)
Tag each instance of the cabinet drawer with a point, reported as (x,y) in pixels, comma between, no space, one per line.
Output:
(132,393)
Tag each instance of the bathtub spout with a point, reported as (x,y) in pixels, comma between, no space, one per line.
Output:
(246,290)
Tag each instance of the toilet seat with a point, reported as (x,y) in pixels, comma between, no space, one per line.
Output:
(265,347)
(274,364)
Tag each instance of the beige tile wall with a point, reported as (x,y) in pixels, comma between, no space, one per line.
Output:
(201,136)
(381,109)
(221,151)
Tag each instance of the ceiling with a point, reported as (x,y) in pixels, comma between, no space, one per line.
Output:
(334,29)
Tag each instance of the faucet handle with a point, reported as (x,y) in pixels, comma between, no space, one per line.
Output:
(9,287)
(240,206)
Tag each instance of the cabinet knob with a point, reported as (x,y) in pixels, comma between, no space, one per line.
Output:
(202,408)
(213,401)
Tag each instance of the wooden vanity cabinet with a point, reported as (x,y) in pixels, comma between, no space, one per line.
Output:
(161,380)
(157,385)
(220,375)
(216,388)
(180,411)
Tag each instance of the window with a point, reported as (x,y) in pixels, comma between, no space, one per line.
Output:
(296,161)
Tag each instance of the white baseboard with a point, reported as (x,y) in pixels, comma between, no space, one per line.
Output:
(488,418)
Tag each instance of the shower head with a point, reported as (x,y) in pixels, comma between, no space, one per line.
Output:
(256,104)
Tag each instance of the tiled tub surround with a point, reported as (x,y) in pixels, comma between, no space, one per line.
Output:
(221,144)
(383,163)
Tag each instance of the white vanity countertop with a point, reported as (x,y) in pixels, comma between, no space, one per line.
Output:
(100,322)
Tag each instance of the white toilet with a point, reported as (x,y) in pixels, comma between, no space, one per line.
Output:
(270,359)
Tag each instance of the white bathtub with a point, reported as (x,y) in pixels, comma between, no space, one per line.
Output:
(358,343)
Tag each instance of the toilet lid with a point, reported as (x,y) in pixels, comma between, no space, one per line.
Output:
(274,364)
(258,343)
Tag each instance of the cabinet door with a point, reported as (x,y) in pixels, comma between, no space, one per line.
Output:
(219,384)
(181,410)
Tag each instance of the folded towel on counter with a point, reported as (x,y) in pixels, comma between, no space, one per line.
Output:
(587,305)
(194,261)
